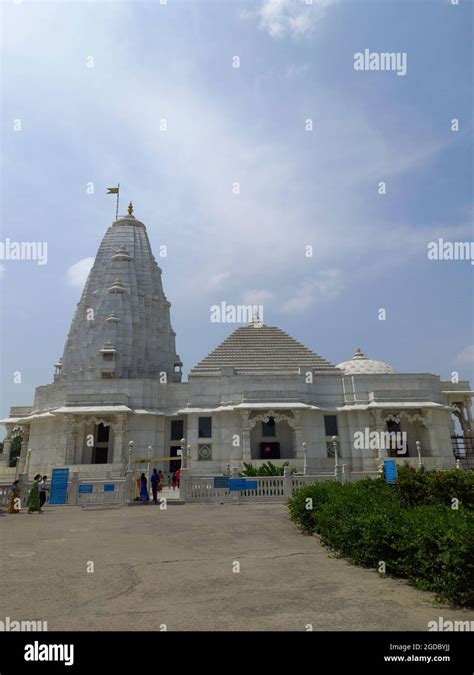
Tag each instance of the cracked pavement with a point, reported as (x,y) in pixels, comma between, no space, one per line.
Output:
(153,567)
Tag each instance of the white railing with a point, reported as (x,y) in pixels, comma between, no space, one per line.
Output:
(108,491)
(268,488)
(201,488)
(79,492)
(5,493)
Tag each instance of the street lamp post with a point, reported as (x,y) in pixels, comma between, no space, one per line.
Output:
(418,450)
(130,450)
(183,450)
(305,459)
(150,452)
(336,455)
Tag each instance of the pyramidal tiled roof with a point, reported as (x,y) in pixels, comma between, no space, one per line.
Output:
(260,348)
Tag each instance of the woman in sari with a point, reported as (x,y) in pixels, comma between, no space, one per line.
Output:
(14,503)
(143,490)
(33,502)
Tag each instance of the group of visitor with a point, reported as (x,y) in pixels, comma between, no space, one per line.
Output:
(36,498)
(157,481)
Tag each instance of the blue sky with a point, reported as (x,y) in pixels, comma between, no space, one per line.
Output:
(245,125)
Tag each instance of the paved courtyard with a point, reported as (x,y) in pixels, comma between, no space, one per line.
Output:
(175,567)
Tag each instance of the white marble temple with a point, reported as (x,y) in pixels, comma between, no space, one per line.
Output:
(259,395)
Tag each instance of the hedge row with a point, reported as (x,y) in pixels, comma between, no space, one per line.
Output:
(417,486)
(370,522)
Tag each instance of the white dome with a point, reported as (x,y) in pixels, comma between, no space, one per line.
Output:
(361,365)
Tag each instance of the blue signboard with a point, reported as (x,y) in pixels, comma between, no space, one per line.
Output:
(59,481)
(390,470)
(221,482)
(86,488)
(237,484)
(109,487)
(251,485)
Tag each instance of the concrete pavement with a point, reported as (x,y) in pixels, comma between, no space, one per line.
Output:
(178,568)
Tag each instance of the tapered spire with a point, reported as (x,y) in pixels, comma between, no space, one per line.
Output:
(123,305)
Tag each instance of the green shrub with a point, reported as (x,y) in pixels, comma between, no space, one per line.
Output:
(266,469)
(319,493)
(371,521)
(438,545)
(416,487)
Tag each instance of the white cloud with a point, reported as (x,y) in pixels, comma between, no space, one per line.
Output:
(465,356)
(295,71)
(326,287)
(77,274)
(215,281)
(291,17)
(290,196)
(256,297)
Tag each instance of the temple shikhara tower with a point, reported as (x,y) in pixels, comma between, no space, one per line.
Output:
(122,328)
(118,394)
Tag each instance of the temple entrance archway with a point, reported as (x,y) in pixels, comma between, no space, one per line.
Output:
(271,437)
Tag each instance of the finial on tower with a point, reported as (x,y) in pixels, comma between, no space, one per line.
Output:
(256,320)
(130,209)
(359,354)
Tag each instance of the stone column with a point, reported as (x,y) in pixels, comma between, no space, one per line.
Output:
(246,448)
(192,438)
(71,442)
(63,438)
(298,434)
(119,432)
(24,449)
(380,427)
(7,443)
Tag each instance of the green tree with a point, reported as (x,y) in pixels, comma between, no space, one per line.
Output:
(15,450)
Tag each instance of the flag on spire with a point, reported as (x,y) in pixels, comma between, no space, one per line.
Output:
(115,191)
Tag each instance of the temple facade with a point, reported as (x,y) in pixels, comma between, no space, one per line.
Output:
(118,395)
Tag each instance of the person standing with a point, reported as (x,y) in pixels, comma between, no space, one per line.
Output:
(178,477)
(173,481)
(33,502)
(42,491)
(144,496)
(155,479)
(14,503)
